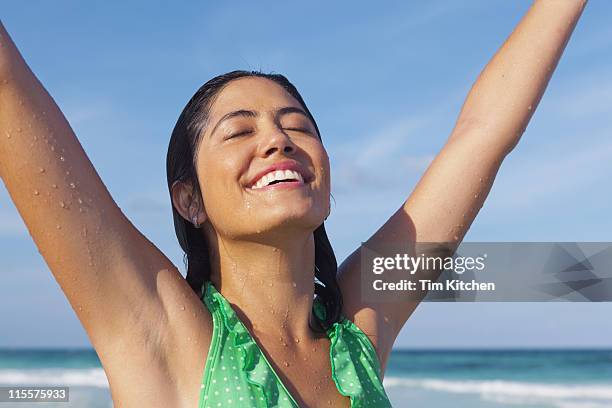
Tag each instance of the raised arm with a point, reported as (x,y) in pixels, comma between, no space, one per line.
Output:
(451,192)
(122,288)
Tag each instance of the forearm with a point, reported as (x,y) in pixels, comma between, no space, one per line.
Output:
(508,90)
(11,62)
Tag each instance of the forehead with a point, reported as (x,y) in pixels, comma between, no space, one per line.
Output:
(251,93)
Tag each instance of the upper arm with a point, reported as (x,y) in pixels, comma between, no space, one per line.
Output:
(440,209)
(113,277)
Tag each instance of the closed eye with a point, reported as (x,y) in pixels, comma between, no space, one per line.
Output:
(240,134)
(299,130)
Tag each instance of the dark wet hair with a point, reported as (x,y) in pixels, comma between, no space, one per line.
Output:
(181,166)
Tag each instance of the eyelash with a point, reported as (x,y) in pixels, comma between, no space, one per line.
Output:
(250,131)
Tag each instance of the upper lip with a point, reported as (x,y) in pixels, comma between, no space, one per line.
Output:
(284,165)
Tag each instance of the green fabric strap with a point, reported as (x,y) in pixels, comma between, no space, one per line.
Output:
(237,373)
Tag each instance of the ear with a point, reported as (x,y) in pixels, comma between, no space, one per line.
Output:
(187,203)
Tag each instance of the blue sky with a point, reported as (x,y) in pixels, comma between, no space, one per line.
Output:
(385,85)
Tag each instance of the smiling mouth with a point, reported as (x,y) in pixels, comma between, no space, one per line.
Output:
(280,178)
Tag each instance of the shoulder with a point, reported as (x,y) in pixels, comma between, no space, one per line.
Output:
(166,348)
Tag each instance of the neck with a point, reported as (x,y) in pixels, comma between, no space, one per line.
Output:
(270,284)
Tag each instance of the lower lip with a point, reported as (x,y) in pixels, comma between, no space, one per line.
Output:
(281,186)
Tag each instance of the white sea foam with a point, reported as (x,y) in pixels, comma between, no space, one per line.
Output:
(92,377)
(516,392)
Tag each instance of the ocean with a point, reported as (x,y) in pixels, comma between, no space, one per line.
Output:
(414,378)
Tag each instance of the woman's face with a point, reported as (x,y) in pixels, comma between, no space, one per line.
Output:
(255,124)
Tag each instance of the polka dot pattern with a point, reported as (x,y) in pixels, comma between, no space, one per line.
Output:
(237,373)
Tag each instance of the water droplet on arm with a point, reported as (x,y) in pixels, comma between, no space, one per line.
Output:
(36,192)
(62,204)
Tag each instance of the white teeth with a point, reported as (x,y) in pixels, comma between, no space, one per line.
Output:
(278,175)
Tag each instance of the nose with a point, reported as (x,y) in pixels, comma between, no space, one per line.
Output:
(276,141)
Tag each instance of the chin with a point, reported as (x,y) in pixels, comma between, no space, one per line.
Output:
(299,219)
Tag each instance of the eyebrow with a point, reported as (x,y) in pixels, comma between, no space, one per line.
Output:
(253,114)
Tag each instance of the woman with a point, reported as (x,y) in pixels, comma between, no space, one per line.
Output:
(243,328)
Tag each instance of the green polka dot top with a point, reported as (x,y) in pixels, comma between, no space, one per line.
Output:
(237,373)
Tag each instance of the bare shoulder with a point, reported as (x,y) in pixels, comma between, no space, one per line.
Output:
(160,357)
(366,316)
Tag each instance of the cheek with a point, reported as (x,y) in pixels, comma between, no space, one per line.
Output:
(321,162)
(219,176)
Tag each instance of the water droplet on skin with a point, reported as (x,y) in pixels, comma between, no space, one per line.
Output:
(270,284)
(72,185)
(41,170)
(529,107)
(297,340)
(480,180)
(54,185)
(456,238)
(294,284)
(80,201)
(182,307)
(62,158)
(475,195)
(19,130)
(36,192)
(286,363)
(8,135)
(80,209)
(52,148)
(463,215)
(62,204)
(58,226)
(67,172)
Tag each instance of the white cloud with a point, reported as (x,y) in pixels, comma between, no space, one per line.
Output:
(383,159)
(588,95)
(558,171)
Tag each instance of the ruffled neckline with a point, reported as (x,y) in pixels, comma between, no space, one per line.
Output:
(259,371)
